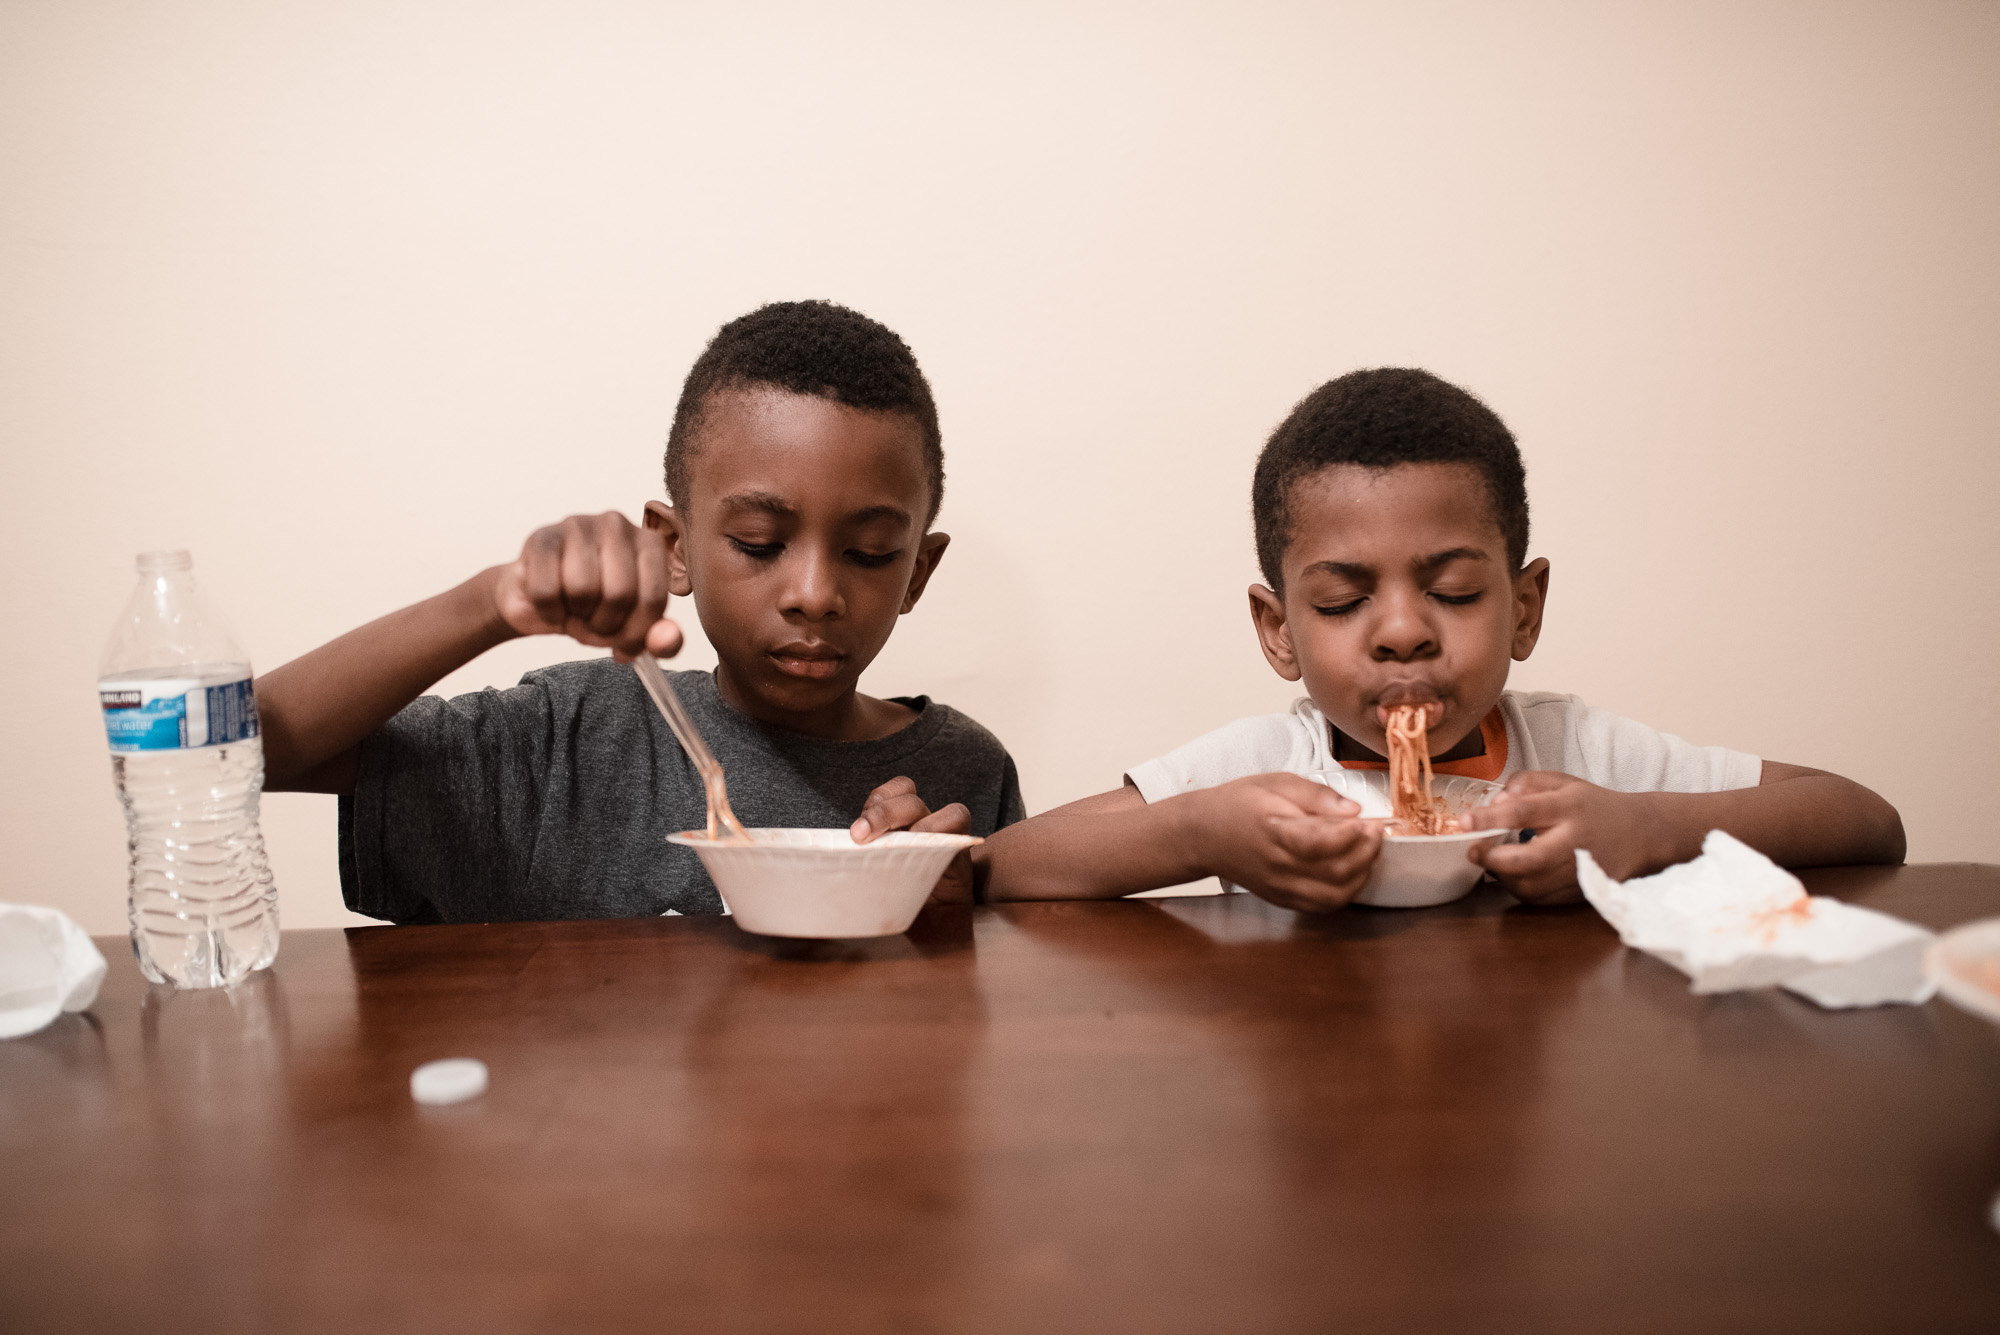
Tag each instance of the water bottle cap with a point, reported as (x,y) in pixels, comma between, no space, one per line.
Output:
(452,1080)
(149,562)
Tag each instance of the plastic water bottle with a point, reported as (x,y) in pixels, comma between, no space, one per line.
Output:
(189,765)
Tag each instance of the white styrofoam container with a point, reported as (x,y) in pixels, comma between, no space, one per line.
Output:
(820,883)
(1418,870)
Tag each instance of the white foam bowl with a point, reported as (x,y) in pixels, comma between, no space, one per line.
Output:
(1418,870)
(820,883)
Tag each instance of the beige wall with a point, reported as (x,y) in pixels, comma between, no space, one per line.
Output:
(347,298)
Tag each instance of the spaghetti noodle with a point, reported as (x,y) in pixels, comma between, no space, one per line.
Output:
(1417,811)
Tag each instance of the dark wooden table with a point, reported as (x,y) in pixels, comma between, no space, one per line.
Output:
(1171,1115)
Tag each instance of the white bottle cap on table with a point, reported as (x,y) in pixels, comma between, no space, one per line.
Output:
(452,1080)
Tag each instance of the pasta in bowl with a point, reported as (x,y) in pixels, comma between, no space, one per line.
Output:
(1418,870)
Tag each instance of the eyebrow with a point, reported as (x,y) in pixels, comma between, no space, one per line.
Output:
(765,501)
(875,512)
(1446,557)
(771,503)
(1358,570)
(1345,569)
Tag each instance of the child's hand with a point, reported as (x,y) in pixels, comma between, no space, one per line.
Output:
(896,806)
(1297,843)
(1566,813)
(599,579)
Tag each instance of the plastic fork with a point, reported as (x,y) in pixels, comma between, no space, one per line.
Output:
(722,822)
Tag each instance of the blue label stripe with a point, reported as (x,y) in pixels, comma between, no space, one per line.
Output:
(159,726)
(232,712)
(222,714)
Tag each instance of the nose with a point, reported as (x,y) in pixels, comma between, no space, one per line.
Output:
(813,591)
(1403,632)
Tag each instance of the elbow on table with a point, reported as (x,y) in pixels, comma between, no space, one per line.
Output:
(1873,829)
(1890,844)
(1834,821)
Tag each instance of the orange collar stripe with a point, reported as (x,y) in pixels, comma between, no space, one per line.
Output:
(1492,730)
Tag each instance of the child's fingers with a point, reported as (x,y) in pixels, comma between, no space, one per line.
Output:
(1493,816)
(893,806)
(895,787)
(1548,889)
(1316,838)
(541,574)
(663,638)
(581,574)
(1309,894)
(1353,855)
(597,578)
(1350,869)
(1502,813)
(1523,811)
(1525,788)
(646,626)
(1544,884)
(618,575)
(1539,870)
(1519,859)
(650,563)
(953,819)
(898,813)
(1300,894)
(1315,799)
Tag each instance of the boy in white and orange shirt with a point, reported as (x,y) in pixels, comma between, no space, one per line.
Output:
(1391,517)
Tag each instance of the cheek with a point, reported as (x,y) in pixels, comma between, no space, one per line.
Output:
(1487,642)
(727,584)
(1326,647)
(877,594)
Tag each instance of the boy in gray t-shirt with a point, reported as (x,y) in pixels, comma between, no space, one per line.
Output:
(804,468)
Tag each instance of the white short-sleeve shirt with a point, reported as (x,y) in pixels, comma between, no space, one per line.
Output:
(1545,731)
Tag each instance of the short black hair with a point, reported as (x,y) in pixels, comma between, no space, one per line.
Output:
(808,347)
(1378,419)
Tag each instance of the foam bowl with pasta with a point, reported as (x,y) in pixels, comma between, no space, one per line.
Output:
(1418,870)
(820,883)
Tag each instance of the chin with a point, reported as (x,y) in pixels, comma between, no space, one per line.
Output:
(800,695)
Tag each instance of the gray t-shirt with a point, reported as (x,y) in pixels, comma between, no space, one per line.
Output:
(554,799)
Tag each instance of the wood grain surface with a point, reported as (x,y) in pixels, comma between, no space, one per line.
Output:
(1169,1115)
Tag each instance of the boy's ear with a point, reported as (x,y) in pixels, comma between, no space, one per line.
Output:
(1267,613)
(930,551)
(664,520)
(1531,597)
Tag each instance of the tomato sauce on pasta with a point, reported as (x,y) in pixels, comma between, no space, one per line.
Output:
(1417,812)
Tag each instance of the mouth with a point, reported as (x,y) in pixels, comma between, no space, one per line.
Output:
(812,661)
(1399,693)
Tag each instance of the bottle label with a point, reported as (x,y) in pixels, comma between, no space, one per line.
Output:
(176,712)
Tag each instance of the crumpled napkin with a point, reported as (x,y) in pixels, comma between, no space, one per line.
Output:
(47,966)
(1733,919)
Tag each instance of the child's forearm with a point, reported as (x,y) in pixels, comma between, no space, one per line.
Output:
(315,710)
(1797,817)
(1113,844)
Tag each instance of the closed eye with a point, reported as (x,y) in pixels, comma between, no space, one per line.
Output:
(871,560)
(1458,599)
(757,551)
(1338,609)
